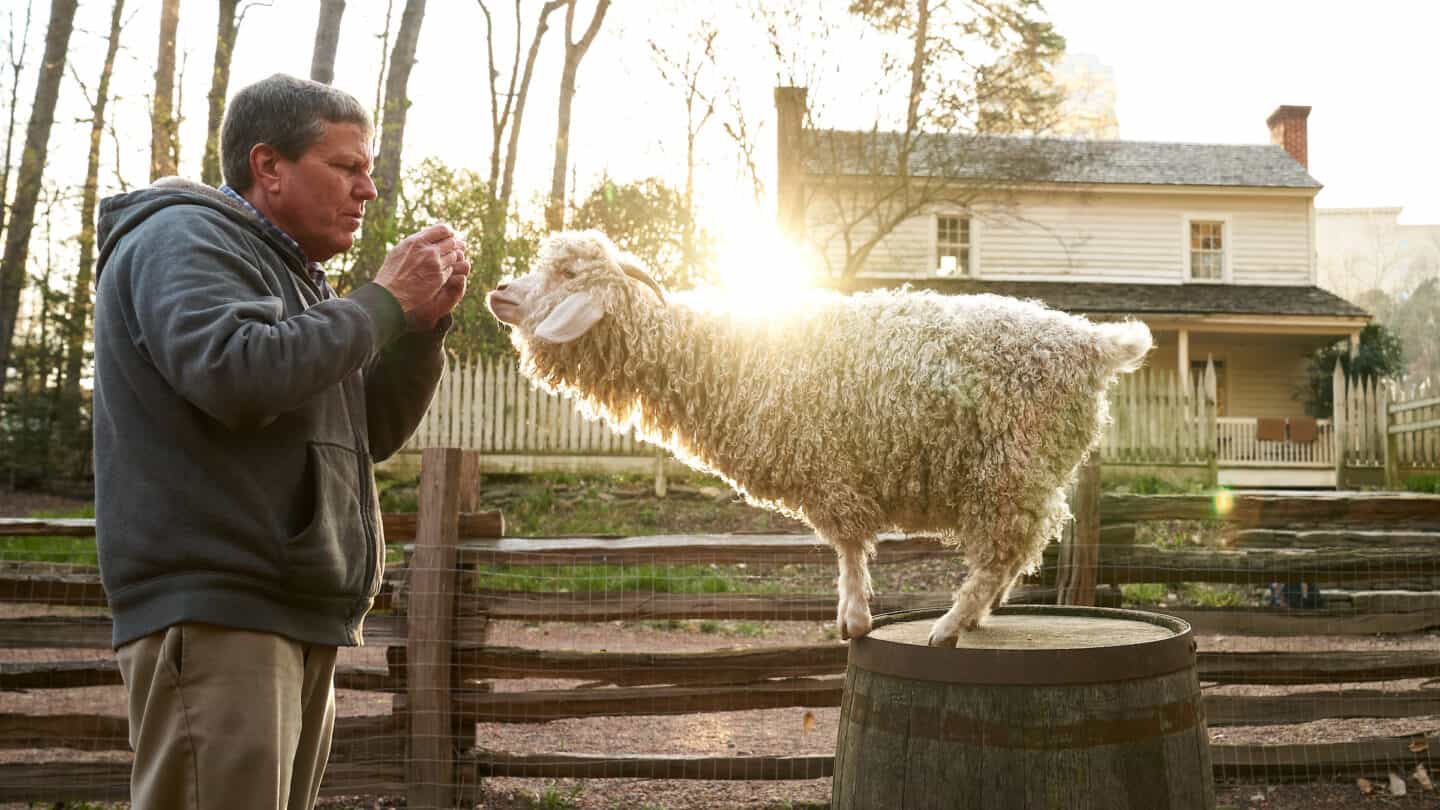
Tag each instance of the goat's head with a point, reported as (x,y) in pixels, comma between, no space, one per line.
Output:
(577,277)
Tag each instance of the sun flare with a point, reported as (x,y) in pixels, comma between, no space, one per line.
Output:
(760,271)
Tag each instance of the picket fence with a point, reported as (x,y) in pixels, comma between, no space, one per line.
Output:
(1158,418)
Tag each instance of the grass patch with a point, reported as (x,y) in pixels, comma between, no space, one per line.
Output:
(604,579)
(1423,483)
(54,549)
(553,798)
(1156,485)
(1214,596)
(1144,593)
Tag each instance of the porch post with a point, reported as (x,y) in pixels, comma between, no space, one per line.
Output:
(1182,352)
(1354,344)
(1337,424)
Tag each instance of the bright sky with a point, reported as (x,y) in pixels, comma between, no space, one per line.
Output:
(1200,73)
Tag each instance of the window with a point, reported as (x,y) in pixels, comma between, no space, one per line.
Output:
(952,245)
(1207,250)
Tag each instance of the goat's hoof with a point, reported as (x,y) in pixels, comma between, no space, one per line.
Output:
(853,622)
(941,639)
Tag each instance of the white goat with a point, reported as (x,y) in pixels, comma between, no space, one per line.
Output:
(960,415)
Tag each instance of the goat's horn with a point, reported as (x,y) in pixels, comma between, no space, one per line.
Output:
(633,270)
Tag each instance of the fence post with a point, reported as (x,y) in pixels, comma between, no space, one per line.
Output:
(1392,440)
(1080,558)
(1338,419)
(430,772)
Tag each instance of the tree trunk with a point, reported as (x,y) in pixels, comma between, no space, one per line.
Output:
(225,32)
(380,213)
(574,52)
(327,41)
(162,114)
(16,63)
(77,324)
(32,166)
(502,167)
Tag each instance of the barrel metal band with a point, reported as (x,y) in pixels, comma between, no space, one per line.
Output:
(1022,667)
(865,715)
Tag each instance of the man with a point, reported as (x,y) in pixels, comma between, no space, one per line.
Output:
(239,405)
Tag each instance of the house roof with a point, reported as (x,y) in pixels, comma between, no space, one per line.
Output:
(1136,299)
(1055,160)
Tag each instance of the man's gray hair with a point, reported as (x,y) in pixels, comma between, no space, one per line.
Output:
(285,112)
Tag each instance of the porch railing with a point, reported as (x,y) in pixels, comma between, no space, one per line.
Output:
(1237,445)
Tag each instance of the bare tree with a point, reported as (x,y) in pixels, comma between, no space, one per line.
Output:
(32,167)
(327,40)
(17,63)
(380,213)
(968,71)
(507,112)
(164,158)
(685,70)
(76,325)
(227,30)
(574,52)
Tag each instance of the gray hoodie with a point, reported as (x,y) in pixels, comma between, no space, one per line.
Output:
(238,410)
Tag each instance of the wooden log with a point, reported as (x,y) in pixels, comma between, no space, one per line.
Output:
(1369,757)
(1307,707)
(399,526)
(715,667)
(604,606)
(1018,717)
(1328,666)
(105,672)
(607,766)
(367,737)
(59,674)
(1243,763)
(1237,763)
(703,668)
(70,781)
(685,549)
(47,527)
(59,632)
(46,586)
(430,767)
(636,701)
(1332,566)
(1281,510)
(1277,622)
(1332,538)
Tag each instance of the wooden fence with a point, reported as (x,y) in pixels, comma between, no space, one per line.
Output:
(434,617)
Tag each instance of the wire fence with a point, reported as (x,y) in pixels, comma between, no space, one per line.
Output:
(704,671)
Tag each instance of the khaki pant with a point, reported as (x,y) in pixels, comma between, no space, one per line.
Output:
(223,718)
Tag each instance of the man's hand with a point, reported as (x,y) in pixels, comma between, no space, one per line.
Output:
(426,272)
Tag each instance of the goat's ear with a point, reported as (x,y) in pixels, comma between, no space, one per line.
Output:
(571,319)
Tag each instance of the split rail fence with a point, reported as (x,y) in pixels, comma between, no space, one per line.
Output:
(1375,559)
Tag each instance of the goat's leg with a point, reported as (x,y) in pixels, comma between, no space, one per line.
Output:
(982,587)
(1009,580)
(852,610)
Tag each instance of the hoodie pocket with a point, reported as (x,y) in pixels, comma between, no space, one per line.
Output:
(330,555)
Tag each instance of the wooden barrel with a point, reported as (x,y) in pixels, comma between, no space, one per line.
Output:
(1043,707)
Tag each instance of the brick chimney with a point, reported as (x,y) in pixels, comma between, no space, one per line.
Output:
(789,143)
(1287,129)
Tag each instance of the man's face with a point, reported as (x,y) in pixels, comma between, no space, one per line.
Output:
(322,195)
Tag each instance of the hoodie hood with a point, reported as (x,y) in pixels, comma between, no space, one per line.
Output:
(122,213)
